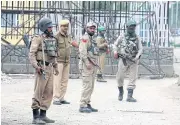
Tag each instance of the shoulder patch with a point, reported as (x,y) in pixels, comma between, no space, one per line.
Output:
(84,40)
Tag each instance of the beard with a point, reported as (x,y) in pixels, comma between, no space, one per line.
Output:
(90,33)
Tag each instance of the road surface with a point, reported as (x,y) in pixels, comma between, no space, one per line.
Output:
(158,104)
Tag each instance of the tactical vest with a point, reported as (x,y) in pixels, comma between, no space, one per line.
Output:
(131,45)
(50,47)
(93,48)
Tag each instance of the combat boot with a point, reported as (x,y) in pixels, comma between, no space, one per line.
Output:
(64,102)
(57,102)
(91,108)
(100,78)
(130,94)
(121,92)
(36,119)
(85,110)
(44,118)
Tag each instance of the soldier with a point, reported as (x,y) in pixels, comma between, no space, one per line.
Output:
(129,45)
(61,80)
(43,51)
(103,48)
(88,56)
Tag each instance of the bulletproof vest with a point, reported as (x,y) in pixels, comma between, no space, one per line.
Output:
(131,45)
(93,48)
(50,46)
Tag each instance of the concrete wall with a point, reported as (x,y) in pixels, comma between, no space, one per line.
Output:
(17,61)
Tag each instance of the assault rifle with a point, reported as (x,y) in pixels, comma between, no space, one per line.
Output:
(95,64)
(124,58)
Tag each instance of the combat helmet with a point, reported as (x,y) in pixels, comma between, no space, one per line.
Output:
(44,23)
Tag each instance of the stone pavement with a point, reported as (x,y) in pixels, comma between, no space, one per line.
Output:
(158,104)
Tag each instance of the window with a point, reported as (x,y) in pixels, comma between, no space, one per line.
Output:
(8,20)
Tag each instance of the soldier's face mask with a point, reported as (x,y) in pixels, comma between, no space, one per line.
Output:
(131,29)
(91,30)
(64,28)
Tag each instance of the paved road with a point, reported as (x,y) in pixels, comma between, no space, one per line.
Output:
(158,104)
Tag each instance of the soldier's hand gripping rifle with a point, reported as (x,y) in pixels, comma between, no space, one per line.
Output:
(141,63)
(94,64)
(124,58)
